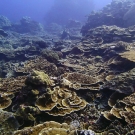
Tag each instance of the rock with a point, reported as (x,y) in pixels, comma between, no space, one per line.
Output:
(27,25)
(117,13)
(3,33)
(4,22)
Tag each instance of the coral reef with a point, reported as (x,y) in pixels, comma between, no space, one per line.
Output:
(53,29)
(8,123)
(128,55)
(116,13)
(78,85)
(59,102)
(3,33)
(47,128)
(27,26)
(80,81)
(5,102)
(51,55)
(122,109)
(40,64)
(110,34)
(11,85)
(38,78)
(122,83)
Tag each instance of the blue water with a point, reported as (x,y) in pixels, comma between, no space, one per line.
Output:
(38,9)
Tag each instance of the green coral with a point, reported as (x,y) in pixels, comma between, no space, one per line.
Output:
(38,78)
(50,55)
(8,123)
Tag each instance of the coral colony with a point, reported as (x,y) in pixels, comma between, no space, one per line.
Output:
(55,81)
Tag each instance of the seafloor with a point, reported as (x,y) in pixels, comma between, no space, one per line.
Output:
(65,83)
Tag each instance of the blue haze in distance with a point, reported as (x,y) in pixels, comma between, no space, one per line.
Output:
(39,9)
(101,3)
(16,9)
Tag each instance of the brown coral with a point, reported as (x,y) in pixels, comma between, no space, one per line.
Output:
(122,83)
(60,101)
(8,123)
(72,66)
(123,109)
(108,115)
(129,100)
(4,102)
(129,116)
(80,78)
(47,128)
(114,97)
(40,64)
(128,55)
(50,55)
(11,85)
(38,78)
(117,128)
(27,112)
(46,101)
(80,81)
